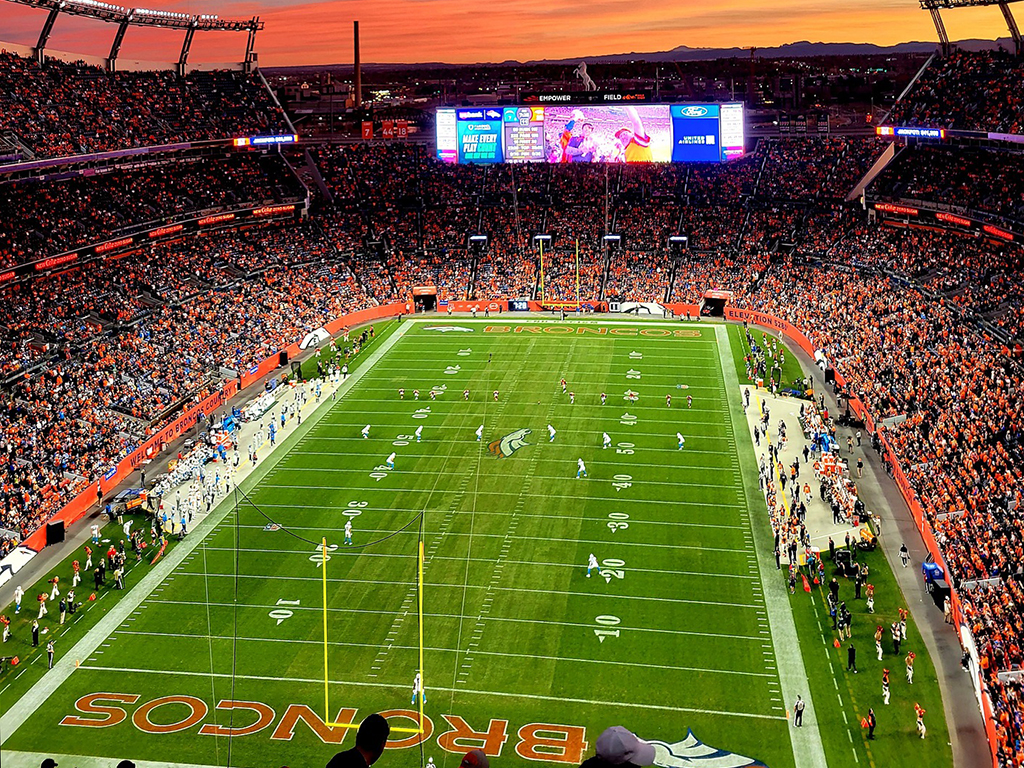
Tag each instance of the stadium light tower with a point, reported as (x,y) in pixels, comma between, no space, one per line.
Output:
(933,7)
(140,17)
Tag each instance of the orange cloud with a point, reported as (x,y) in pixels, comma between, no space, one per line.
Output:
(458,31)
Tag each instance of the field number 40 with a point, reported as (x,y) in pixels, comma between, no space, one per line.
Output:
(281,614)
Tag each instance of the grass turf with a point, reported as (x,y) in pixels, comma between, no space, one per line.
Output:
(665,640)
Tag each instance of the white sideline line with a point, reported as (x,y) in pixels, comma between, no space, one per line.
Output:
(532,656)
(496,694)
(319,580)
(319,609)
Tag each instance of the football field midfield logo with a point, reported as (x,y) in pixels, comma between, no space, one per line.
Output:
(691,752)
(509,444)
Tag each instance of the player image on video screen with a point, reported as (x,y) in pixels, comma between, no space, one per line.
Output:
(608,134)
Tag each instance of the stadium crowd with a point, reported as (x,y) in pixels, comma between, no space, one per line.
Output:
(96,357)
(65,109)
(973,91)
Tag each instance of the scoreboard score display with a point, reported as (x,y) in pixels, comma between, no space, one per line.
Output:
(658,133)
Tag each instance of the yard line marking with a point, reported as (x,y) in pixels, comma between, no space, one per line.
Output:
(456,616)
(532,656)
(497,694)
(363,470)
(264,577)
(533,563)
(575,497)
(306,553)
(505,515)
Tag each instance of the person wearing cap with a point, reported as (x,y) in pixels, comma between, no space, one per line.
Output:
(48,763)
(371,738)
(619,746)
(475,758)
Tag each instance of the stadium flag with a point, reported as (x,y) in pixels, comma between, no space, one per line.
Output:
(367,130)
(402,129)
(387,129)
(807,586)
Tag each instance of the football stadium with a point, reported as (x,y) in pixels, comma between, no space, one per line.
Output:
(657,409)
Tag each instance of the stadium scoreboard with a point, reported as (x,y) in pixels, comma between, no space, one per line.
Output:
(564,133)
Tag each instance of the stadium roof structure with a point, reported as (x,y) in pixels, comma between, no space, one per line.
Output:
(124,17)
(934,6)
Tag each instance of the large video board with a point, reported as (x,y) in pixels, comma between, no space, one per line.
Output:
(642,133)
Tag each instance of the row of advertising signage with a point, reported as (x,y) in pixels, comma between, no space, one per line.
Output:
(652,133)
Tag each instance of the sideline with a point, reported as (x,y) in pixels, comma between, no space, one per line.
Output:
(36,696)
(808,750)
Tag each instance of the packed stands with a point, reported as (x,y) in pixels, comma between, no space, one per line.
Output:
(58,216)
(71,109)
(975,181)
(973,91)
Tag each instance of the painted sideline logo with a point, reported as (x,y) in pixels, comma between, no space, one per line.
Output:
(509,444)
(448,328)
(691,752)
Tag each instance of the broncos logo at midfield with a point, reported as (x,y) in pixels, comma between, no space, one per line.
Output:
(509,444)
(691,752)
(448,328)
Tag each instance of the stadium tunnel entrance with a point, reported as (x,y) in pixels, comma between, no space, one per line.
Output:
(424,298)
(714,303)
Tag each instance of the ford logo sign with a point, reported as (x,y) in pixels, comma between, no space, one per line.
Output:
(693,111)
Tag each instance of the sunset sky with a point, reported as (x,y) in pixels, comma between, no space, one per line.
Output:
(460,31)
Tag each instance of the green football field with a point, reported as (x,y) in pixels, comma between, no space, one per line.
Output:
(218,657)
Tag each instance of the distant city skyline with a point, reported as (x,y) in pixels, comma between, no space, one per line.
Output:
(460,32)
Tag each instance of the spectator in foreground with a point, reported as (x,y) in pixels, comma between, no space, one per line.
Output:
(618,746)
(370,740)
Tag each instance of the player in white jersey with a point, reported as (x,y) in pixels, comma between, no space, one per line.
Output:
(681,440)
(551,431)
(18,594)
(581,470)
(606,440)
(391,461)
(592,564)
(417,689)
(348,531)
(480,433)
(418,433)
(366,431)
